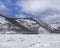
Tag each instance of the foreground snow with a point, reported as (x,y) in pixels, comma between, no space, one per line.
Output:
(29,41)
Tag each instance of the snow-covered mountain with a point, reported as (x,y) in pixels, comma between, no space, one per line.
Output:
(17,25)
(5,25)
(25,25)
(56,25)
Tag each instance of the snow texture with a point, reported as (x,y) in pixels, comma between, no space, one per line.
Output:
(29,41)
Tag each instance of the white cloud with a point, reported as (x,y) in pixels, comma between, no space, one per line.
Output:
(52,18)
(20,16)
(37,6)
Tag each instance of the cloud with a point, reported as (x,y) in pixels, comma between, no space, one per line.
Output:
(20,16)
(3,9)
(39,7)
(36,6)
(52,18)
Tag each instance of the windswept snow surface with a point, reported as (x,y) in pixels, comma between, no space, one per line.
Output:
(29,41)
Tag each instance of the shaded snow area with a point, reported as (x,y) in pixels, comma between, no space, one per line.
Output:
(29,41)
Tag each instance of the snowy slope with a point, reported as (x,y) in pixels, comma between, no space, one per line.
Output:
(29,41)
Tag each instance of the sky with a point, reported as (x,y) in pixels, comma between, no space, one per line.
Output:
(46,10)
